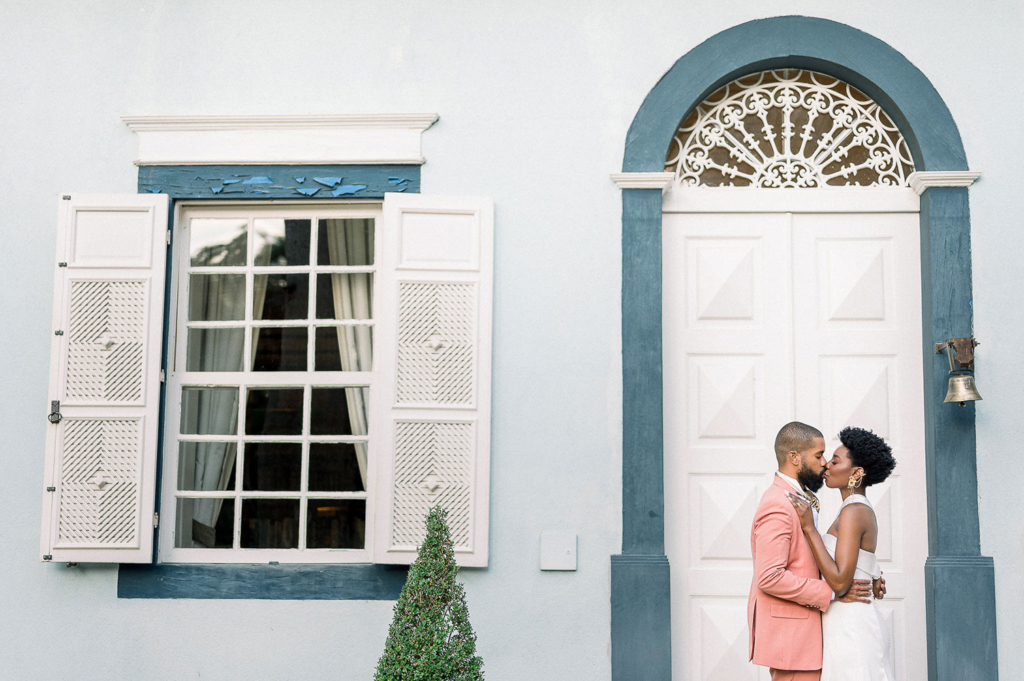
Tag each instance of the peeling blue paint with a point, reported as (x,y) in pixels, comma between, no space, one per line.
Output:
(261,179)
(154,191)
(364,181)
(300,180)
(347,189)
(307,191)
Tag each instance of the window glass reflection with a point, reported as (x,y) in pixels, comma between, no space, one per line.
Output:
(281,242)
(216,297)
(209,411)
(204,524)
(335,524)
(270,524)
(217,242)
(273,411)
(345,241)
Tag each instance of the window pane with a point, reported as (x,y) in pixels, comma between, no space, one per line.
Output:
(206,466)
(272,466)
(216,297)
(335,467)
(338,411)
(217,241)
(205,524)
(270,523)
(344,348)
(281,242)
(273,411)
(209,411)
(279,349)
(335,523)
(345,241)
(280,296)
(215,349)
(344,296)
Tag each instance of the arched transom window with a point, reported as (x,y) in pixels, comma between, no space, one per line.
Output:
(789,128)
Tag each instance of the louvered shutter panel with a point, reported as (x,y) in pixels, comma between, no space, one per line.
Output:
(100,474)
(431,406)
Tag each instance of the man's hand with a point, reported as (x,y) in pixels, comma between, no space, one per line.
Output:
(879,588)
(860,592)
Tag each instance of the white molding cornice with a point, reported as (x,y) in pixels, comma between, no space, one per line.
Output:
(280,140)
(653,180)
(923,179)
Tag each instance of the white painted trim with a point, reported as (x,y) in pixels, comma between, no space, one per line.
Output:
(923,179)
(279,140)
(177,376)
(642,180)
(752,200)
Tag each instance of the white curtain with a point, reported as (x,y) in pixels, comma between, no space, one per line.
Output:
(217,410)
(350,242)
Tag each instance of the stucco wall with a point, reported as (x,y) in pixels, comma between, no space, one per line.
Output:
(535,99)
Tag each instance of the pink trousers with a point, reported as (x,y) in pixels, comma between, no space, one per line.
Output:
(784,675)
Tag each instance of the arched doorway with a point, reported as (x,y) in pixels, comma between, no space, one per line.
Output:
(791,291)
(959,582)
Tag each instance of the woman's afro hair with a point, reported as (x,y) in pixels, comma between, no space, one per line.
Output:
(869,452)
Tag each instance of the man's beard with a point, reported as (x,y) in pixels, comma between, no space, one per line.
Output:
(809,479)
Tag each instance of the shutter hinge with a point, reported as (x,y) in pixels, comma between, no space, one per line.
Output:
(62,264)
(48,557)
(66,197)
(58,332)
(168,237)
(156,520)
(51,489)
(163,376)
(54,416)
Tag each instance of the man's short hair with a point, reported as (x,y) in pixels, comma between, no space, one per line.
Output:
(794,437)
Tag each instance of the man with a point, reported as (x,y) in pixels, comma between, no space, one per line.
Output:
(787,595)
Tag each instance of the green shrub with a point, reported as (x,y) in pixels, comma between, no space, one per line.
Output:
(430,637)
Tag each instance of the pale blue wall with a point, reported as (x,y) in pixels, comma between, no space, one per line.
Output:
(535,99)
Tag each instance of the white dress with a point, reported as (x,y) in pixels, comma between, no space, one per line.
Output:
(855,638)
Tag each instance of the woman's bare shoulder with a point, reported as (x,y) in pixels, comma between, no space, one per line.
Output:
(856,517)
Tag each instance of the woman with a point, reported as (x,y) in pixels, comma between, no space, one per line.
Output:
(855,638)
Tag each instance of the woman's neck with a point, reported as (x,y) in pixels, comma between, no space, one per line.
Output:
(846,492)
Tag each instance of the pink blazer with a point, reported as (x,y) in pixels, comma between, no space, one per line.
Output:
(787,594)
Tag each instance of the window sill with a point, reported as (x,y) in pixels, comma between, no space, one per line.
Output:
(359,582)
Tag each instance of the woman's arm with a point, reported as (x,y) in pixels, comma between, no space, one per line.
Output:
(852,525)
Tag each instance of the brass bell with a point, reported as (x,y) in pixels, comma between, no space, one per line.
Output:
(962,390)
(960,352)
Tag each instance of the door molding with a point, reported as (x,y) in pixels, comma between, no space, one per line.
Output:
(960,584)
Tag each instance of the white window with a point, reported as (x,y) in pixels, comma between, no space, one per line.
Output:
(269,384)
(327,381)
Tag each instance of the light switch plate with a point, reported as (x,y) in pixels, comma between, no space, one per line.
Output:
(557,551)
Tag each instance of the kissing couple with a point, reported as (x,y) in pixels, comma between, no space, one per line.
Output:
(811,611)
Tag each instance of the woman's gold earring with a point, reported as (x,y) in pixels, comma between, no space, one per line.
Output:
(854,483)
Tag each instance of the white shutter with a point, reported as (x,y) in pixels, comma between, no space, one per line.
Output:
(100,475)
(431,406)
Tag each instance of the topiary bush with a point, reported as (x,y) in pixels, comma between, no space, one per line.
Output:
(430,637)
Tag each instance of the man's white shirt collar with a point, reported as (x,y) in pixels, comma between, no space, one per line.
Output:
(800,490)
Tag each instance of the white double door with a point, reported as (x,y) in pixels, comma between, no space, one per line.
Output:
(772,317)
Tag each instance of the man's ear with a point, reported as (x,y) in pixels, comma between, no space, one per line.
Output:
(794,457)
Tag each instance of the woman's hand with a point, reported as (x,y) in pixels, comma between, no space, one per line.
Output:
(804,510)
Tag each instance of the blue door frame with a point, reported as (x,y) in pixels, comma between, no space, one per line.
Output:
(960,582)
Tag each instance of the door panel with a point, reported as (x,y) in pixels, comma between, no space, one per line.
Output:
(858,362)
(771,317)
